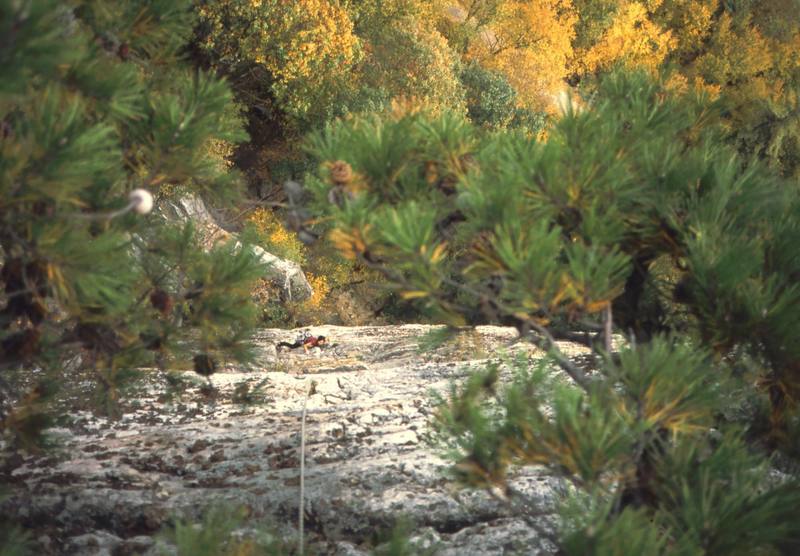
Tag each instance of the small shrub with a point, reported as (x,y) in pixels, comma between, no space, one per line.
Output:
(245,394)
(399,541)
(491,100)
(435,338)
(221,533)
(267,230)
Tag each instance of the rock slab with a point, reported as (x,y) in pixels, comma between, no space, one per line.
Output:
(367,396)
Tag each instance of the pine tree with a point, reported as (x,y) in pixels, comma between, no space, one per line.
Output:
(99,114)
(633,218)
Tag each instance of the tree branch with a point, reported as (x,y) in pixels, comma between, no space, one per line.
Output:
(608,325)
(544,340)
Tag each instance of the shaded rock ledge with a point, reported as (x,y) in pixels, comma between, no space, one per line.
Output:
(114,483)
(288,276)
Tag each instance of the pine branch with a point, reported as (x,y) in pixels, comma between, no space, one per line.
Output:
(544,340)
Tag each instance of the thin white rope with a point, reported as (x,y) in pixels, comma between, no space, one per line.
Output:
(300,547)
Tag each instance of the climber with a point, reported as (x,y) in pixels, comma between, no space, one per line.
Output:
(305,340)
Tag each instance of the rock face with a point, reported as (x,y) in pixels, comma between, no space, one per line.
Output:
(368,400)
(286,275)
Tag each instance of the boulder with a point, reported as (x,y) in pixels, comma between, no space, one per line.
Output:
(288,276)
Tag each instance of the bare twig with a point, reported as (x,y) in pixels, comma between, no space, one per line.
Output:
(608,327)
(583,338)
(546,341)
(300,542)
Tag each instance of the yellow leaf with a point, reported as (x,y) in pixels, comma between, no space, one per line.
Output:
(438,252)
(596,306)
(573,192)
(413,294)
(562,292)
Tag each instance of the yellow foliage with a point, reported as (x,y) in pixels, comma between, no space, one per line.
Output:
(329,273)
(321,290)
(690,22)
(530,42)
(746,53)
(633,39)
(752,57)
(303,44)
(221,152)
(350,243)
(735,52)
(413,294)
(325,270)
(680,84)
(277,239)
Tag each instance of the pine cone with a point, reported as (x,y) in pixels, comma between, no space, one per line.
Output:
(431,172)
(6,130)
(11,274)
(341,172)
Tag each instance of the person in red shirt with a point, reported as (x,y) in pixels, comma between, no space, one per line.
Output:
(306,342)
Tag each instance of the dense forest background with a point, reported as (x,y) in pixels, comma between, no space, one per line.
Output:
(505,65)
(574,168)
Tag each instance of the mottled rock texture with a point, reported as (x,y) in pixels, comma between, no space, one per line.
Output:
(112,484)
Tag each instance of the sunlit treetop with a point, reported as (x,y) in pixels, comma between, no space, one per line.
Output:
(530,42)
(632,39)
(305,46)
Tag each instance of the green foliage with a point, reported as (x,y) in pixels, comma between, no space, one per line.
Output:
(295,55)
(644,469)
(264,227)
(212,294)
(409,59)
(601,534)
(594,17)
(632,216)
(14,541)
(96,102)
(247,394)
(720,499)
(399,542)
(608,195)
(304,63)
(491,100)
(435,338)
(743,52)
(221,533)
(408,157)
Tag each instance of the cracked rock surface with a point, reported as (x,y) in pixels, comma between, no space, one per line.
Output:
(111,485)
